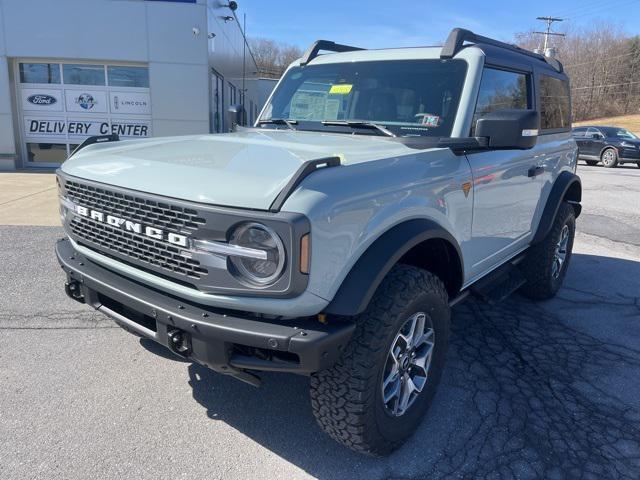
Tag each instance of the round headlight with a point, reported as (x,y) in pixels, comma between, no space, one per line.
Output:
(258,271)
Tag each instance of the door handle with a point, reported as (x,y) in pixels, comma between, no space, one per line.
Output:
(535,171)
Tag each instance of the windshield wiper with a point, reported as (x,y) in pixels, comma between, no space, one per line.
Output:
(359,124)
(279,121)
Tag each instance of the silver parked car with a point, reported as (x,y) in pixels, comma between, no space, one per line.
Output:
(377,189)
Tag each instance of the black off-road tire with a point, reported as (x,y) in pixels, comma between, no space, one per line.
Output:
(609,163)
(638,163)
(591,163)
(538,264)
(347,398)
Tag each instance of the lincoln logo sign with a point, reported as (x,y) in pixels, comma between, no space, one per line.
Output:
(130,226)
(41,99)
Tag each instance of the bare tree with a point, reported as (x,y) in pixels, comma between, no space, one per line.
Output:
(604,66)
(273,58)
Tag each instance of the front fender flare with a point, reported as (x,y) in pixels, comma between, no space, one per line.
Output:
(365,276)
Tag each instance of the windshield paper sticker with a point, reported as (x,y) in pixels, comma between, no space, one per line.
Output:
(342,89)
(429,120)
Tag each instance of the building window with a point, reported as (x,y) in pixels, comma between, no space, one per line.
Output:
(555,111)
(83,74)
(120,76)
(232,94)
(39,73)
(46,152)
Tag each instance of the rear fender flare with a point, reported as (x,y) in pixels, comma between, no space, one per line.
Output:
(567,187)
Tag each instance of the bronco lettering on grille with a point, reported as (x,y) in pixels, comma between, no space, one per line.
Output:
(134,227)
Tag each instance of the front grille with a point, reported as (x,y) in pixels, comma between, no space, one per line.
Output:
(171,218)
(146,250)
(151,212)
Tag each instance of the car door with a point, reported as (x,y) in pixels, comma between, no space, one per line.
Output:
(595,142)
(507,183)
(579,135)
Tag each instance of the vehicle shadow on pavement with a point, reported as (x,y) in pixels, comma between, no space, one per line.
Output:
(547,390)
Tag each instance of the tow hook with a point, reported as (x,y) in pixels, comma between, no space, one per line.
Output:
(180,342)
(74,291)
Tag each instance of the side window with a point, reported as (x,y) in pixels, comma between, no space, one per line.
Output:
(500,90)
(579,132)
(593,131)
(555,109)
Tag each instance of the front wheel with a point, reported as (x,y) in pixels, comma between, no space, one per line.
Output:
(373,399)
(546,263)
(609,158)
(638,163)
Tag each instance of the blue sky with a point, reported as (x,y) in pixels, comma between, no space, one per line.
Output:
(377,23)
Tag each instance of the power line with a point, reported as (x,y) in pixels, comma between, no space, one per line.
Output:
(600,59)
(549,21)
(601,9)
(584,5)
(605,85)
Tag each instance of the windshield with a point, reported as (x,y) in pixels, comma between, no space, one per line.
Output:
(618,132)
(408,97)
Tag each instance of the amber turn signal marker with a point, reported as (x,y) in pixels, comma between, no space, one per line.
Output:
(304,254)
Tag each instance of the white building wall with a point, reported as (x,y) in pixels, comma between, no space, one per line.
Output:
(7,139)
(226,54)
(171,37)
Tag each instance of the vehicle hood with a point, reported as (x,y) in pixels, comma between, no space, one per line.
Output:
(244,169)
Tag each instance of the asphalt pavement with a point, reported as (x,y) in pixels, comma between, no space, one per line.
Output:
(531,390)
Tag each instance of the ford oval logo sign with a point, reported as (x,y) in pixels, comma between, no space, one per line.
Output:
(41,99)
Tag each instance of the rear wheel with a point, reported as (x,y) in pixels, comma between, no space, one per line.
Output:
(546,263)
(638,163)
(609,158)
(591,163)
(373,399)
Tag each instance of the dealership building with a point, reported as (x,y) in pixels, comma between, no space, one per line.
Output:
(70,69)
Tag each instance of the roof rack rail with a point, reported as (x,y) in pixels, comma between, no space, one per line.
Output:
(313,51)
(457,37)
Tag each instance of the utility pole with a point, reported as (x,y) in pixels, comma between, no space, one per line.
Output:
(549,21)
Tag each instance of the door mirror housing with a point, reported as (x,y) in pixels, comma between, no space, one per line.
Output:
(596,136)
(509,129)
(235,116)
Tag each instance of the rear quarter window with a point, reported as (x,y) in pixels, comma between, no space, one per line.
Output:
(555,107)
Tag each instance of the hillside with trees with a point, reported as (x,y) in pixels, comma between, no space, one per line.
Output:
(604,67)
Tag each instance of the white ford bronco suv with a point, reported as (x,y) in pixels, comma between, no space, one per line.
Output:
(377,189)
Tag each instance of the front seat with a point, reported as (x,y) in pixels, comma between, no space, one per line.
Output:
(382,106)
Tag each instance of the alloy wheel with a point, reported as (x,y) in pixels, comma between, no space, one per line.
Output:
(560,254)
(609,157)
(406,370)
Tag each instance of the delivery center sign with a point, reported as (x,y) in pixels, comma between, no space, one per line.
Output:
(38,127)
(70,114)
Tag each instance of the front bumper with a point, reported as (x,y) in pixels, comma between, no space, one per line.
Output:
(223,340)
(628,155)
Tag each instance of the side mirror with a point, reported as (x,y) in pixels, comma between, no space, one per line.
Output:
(596,136)
(509,129)
(235,116)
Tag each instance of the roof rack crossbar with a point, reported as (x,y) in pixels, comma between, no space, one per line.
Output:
(457,37)
(313,51)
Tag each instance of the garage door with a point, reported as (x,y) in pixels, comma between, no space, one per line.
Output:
(62,103)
